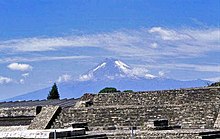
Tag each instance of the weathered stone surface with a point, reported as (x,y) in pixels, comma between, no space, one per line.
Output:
(45,117)
(16,121)
(196,110)
(217,122)
(56,102)
(12,128)
(161,134)
(16,116)
(17,111)
(196,115)
(175,97)
(42,134)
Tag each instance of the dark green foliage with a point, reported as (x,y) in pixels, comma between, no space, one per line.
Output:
(53,94)
(109,90)
(128,91)
(215,84)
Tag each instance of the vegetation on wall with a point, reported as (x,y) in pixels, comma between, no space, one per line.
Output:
(113,90)
(128,91)
(109,90)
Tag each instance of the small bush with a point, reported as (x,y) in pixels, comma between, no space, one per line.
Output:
(128,91)
(215,84)
(109,90)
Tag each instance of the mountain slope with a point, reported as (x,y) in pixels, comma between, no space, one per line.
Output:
(112,73)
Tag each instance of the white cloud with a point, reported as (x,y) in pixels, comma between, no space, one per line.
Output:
(205,68)
(64,78)
(5,80)
(51,44)
(21,81)
(47,58)
(208,35)
(134,44)
(20,67)
(154,45)
(213,79)
(167,34)
(149,76)
(182,66)
(140,71)
(25,75)
(173,42)
(85,77)
(161,73)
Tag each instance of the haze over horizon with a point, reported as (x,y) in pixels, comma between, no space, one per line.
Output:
(42,42)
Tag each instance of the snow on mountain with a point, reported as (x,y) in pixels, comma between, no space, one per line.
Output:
(112,73)
(111,69)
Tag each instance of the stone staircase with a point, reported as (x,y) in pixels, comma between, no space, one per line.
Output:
(16,121)
(45,118)
(217,122)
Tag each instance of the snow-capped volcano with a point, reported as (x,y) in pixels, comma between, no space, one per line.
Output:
(112,73)
(111,69)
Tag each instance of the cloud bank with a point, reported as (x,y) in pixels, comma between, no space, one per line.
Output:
(171,42)
(152,45)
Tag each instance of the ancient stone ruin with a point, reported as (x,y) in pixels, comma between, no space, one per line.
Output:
(169,114)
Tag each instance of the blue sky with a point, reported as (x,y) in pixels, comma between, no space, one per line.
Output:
(43,41)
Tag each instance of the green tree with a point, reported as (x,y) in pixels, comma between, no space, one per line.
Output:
(53,94)
(215,84)
(109,90)
(128,91)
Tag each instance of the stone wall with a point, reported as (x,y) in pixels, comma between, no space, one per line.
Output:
(17,111)
(15,121)
(16,116)
(165,134)
(56,102)
(175,97)
(154,135)
(195,115)
(190,108)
